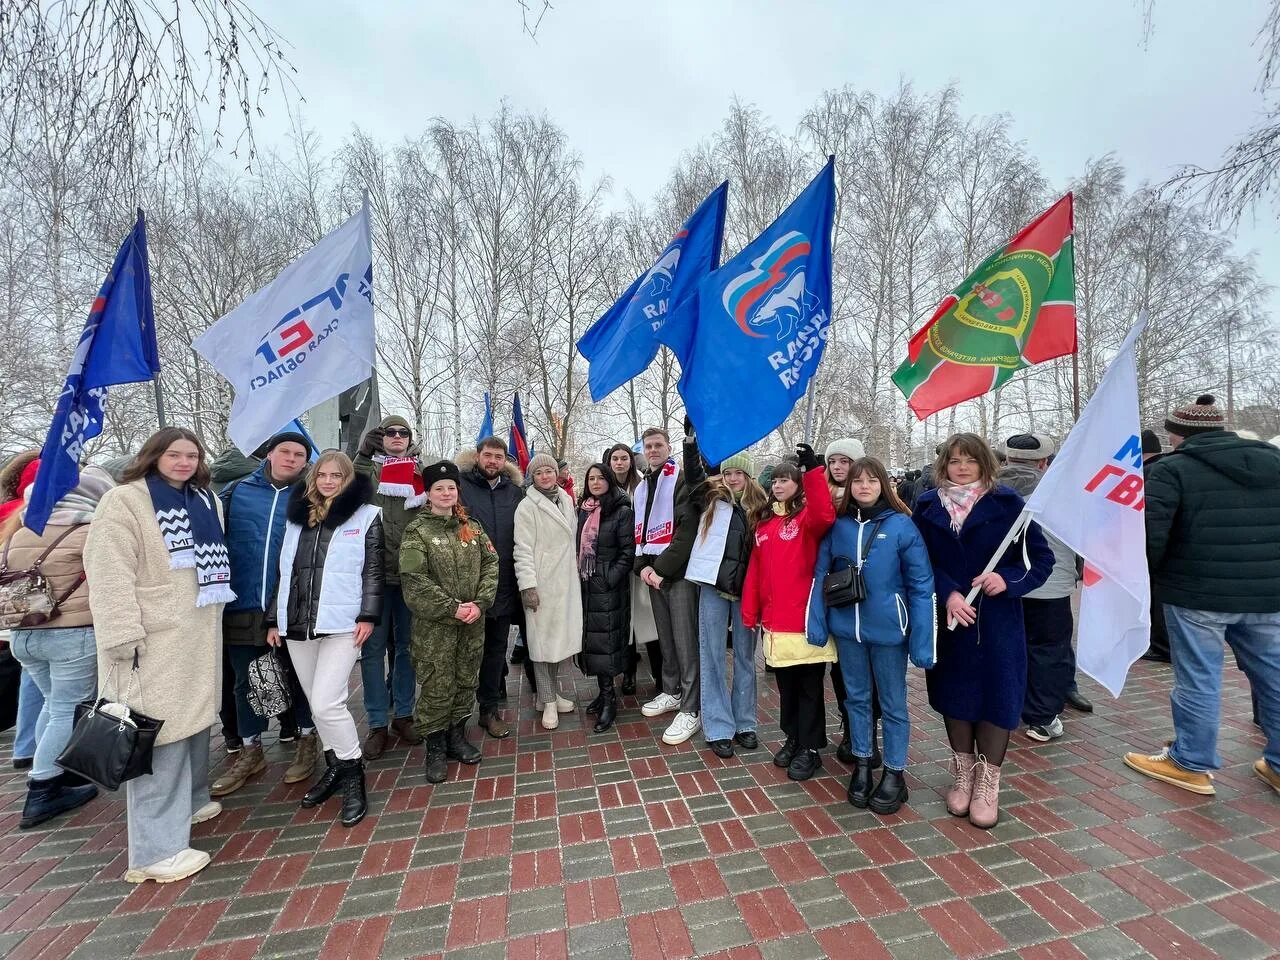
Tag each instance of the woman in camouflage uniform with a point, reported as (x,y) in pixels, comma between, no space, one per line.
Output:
(449,574)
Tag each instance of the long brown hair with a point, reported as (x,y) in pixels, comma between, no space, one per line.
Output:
(861,467)
(318,503)
(633,475)
(971,445)
(783,471)
(146,459)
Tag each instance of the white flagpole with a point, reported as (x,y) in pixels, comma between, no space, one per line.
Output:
(1018,526)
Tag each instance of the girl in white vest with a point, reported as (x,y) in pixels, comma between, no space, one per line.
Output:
(546,556)
(328,601)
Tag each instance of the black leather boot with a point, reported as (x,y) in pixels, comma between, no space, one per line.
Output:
(437,765)
(594,705)
(608,707)
(354,802)
(805,765)
(786,753)
(458,747)
(48,798)
(891,792)
(861,783)
(326,785)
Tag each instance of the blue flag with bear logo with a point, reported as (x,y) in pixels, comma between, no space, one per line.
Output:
(751,338)
(621,344)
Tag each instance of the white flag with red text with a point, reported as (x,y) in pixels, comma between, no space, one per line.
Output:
(1092,499)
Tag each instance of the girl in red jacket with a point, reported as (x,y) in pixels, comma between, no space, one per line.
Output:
(788,533)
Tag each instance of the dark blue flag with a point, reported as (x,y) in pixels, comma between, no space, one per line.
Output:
(486,425)
(521,448)
(752,337)
(621,344)
(118,345)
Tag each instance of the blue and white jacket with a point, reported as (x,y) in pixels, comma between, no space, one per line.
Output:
(900,604)
(255,510)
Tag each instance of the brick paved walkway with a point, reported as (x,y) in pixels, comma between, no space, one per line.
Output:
(572,844)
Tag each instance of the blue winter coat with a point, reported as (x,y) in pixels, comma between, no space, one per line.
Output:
(981,673)
(899,607)
(255,511)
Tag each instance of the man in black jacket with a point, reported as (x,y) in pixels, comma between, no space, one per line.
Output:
(491,491)
(1213,546)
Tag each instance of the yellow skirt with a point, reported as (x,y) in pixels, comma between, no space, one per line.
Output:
(792,649)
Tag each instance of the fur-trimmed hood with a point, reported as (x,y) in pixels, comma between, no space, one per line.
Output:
(12,473)
(345,504)
(466,461)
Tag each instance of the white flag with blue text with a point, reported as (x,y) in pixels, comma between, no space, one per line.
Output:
(303,338)
(1092,499)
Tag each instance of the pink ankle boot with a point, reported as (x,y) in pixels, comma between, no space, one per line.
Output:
(984,808)
(962,765)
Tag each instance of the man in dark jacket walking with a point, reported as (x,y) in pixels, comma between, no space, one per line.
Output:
(254,509)
(491,490)
(1213,546)
(387,456)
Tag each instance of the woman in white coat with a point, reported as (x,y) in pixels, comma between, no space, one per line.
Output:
(547,572)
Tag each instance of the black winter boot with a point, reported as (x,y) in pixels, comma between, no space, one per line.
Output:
(48,798)
(326,785)
(594,705)
(437,765)
(861,783)
(608,706)
(891,792)
(786,753)
(458,747)
(354,802)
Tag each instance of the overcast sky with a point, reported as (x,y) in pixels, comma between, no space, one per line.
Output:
(634,84)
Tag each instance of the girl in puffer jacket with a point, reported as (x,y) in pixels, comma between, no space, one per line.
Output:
(874,534)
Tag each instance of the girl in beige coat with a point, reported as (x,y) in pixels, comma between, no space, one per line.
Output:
(157,596)
(546,559)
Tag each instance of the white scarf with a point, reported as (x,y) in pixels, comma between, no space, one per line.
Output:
(652,540)
(708,549)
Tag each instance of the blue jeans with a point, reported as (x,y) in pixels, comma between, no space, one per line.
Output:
(62,662)
(858,663)
(724,715)
(249,724)
(373,662)
(1197,640)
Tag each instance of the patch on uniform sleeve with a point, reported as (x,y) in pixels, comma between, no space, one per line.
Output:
(411,559)
(489,544)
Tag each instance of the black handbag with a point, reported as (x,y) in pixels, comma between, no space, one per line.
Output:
(111,743)
(845,587)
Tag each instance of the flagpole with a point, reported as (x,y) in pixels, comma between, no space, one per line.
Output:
(1018,526)
(159,400)
(808,413)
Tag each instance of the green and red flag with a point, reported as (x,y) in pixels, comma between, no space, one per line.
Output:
(1017,309)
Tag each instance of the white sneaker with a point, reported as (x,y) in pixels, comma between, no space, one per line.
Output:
(550,716)
(684,726)
(1046,732)
(207,812)
(178,867)
(565,706)
(662,703)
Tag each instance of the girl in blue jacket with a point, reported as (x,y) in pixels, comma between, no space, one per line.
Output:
(874,533)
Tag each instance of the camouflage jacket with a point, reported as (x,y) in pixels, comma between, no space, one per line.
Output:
(439,571)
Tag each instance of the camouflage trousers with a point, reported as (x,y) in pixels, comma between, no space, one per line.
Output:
(446,658)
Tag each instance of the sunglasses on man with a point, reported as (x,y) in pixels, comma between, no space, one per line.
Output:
(396,432)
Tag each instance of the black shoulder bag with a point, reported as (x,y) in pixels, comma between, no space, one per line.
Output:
(845,587)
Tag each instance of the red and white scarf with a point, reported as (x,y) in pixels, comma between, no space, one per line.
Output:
(400,477)
(959,498)
(653,539)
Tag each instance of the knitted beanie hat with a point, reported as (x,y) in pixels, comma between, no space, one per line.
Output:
(539,461)
(847,447)
(1202,416)
(395,420)
(739,461)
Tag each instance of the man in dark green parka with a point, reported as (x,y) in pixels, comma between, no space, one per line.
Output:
(1213,546)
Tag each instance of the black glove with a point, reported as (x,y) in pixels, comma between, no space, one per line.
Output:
(808,459)
(688,427)
(371,442)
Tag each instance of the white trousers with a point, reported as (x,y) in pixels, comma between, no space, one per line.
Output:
(324,667)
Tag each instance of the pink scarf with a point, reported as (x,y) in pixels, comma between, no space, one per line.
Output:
(958,500)
(590,534)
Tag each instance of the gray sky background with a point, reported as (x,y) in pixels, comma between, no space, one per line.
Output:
(634,84)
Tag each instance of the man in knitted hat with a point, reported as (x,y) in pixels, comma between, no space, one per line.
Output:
(1046,611)
(253,510)
(387,457)
(1213,522)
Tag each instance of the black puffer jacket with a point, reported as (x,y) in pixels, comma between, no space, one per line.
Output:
(1213,524)
(495,508)
(606,597)
(313,549)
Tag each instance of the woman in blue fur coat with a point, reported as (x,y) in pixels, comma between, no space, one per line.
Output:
(874,533)
(980,678)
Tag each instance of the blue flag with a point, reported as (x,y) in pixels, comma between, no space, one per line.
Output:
(118,345)
(751,338)
(621,344)
(295,426)
(486,425)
